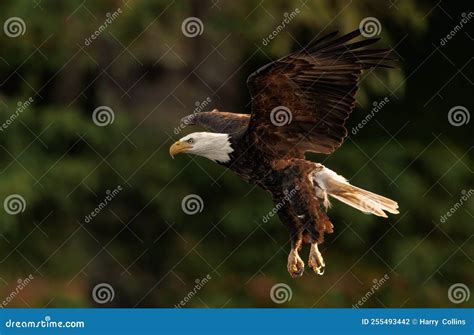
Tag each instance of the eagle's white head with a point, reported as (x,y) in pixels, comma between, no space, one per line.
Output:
(213,146)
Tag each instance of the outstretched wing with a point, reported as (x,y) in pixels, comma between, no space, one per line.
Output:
(301,102)
(220,122)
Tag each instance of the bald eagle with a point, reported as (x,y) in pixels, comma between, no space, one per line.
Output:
(300,103)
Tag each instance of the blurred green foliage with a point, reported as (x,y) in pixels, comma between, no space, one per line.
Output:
(150,74)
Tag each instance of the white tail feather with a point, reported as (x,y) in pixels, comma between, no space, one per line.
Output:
(327,182)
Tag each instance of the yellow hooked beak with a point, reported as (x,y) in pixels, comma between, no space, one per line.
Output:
(179,147)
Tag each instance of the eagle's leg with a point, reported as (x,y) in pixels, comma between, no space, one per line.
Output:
(295,263)
(316,261)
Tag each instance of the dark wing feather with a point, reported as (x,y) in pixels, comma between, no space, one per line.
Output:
(317,85)
(220,122)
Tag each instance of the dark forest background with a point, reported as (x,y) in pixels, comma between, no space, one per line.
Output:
(150,74)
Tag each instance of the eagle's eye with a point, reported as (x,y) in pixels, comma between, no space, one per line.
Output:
(190,141)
